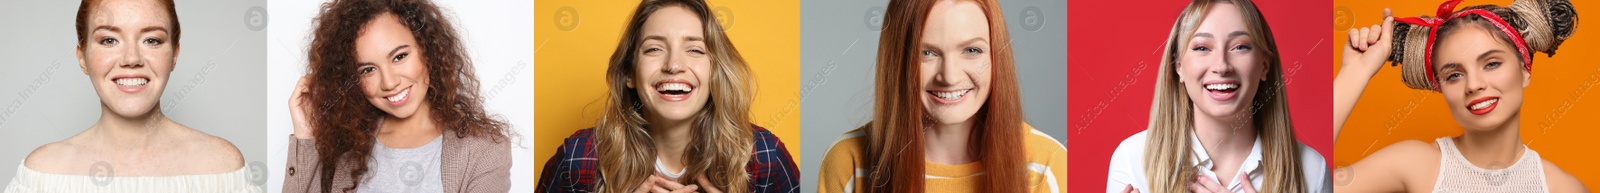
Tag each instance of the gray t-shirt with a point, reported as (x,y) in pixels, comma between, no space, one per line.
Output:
(404,170)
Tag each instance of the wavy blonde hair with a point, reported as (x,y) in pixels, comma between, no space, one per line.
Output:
(1168,152)
(722,141)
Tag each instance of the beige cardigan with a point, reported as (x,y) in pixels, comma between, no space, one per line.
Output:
(468,164)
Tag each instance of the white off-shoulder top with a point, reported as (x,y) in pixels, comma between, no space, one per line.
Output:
(28,180)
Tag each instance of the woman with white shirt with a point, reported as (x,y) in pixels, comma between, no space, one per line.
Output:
(1219,119)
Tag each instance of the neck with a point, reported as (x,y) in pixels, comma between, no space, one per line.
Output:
(419,124)
(948,144)
(1227,138)
(130,131)
(1492,148)
(670,138)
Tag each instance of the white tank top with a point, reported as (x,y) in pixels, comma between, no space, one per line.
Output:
(1458,175)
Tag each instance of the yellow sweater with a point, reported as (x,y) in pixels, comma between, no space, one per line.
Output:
(843,170)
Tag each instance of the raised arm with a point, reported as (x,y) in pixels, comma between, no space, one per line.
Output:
(1368,49)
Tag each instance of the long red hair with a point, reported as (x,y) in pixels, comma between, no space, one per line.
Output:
(894,149)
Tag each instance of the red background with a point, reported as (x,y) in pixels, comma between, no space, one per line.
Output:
(1113,59)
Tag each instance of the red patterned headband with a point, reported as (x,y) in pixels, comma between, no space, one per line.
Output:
(1445,14)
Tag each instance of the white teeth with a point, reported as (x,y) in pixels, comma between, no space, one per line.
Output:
(131,81)
(951,95)
(398,97)
(674,87)
(1221,86)
(1484,104)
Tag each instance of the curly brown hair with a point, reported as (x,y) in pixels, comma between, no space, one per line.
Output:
(346,122)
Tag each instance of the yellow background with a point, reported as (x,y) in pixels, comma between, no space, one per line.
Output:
(569,66)
(1560,111)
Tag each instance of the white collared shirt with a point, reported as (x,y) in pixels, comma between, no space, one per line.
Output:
(1127,166)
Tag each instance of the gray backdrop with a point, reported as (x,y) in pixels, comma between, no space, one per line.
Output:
(216,87)
(839,40)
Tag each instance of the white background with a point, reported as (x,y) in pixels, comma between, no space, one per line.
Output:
(497,35)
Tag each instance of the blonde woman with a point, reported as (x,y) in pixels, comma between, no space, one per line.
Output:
(677,118)
(1480,58)
(1219,121)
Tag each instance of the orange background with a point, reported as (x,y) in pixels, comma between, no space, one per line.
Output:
(1559,116)
(569,66)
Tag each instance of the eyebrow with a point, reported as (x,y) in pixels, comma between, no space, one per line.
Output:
(397,49)
(1449,66)
(1232,34)
(107,28)
(975,40)
(1485,55)
(391,53)
(664,38)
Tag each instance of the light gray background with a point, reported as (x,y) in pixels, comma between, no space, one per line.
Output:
(839,46)
(45,97)
(497,34)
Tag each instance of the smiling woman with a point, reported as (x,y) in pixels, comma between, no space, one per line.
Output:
(1220,118)
(677,115)
(391,105)
(947,112)
(128,48)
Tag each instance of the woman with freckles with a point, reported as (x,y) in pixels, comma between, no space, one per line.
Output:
(128,49)
(947,115)
(1219,121)
(677,115)
(390,104)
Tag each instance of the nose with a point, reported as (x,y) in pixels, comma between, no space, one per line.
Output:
(1218,64)
(131,58)
(1475,83)
(675,63)
(387,79)
(948,72)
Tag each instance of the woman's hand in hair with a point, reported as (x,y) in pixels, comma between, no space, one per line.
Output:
(656,184)
(297,110)
(703,182)
(1202,184)
(1364,55)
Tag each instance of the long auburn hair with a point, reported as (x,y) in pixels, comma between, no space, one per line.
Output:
(1168,152)
(894,147)
(346,122)
(722,140)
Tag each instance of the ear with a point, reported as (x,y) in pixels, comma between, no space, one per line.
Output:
(1265,71)
(1177,68)
(629,82)
(1527,77)
(83,66)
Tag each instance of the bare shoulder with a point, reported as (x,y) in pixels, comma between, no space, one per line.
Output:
(1559,180)
(61,157)
(1405,166)
(203,153)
